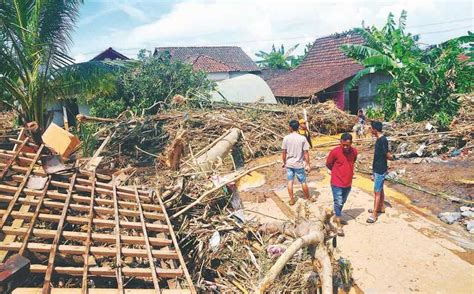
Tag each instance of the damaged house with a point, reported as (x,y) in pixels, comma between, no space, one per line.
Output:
(324,74)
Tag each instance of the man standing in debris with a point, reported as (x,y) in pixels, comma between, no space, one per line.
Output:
(341,162)
(296,160)
(379,168)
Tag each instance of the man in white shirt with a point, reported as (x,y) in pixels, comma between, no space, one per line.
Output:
(296,160)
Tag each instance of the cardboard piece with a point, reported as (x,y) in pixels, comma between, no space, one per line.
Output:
(60,140)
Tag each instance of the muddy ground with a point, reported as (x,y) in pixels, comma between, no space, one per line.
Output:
(407,250)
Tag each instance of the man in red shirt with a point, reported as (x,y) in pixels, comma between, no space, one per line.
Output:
(341,162)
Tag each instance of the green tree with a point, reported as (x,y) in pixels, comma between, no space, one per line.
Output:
(152,84)
(277,59)
(34,66)
(422,80)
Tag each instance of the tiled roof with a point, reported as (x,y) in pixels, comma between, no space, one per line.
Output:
(111,54)
(324,66)
(232,56)
(209,64)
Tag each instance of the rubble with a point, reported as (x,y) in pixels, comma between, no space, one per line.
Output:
(449,217)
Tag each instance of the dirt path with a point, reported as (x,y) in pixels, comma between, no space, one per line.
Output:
(407,250)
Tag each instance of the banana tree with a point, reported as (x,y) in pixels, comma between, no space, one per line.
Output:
(34,66)
(389,50)
(277,59)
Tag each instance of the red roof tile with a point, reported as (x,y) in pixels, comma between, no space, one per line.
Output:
(231,56)
(324,66)
(209,64)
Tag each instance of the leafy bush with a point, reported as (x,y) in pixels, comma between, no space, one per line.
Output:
(151,85)
(443,120)
(374,113)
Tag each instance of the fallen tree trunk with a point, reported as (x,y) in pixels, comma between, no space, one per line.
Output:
(219,150)
(308,233)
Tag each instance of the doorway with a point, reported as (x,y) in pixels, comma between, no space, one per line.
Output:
(354,100)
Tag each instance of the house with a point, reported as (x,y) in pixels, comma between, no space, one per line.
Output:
(324,74)
(220,62)
(71,108)
(109,54)
(271,73)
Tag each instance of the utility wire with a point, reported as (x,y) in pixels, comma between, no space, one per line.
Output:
(311,37)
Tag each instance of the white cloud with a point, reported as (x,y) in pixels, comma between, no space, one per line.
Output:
(255,25)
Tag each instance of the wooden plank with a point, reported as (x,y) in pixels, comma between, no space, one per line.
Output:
(24,208)
(175,243)
(282,205)
(97,251)
(79,207)
(81,236)
(109,272)
(87,188)
(19,189)
(118,253)
(27,235)
(82,221)
(99,291)
(81,199)
(54,246)
(84,288)
(147,245)
(12,159)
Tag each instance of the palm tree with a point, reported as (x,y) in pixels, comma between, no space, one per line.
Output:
(389,50)
(277,59)
(34,66)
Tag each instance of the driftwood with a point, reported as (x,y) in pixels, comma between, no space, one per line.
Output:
(198,200)
(219,150)
(307,233)
(176,150)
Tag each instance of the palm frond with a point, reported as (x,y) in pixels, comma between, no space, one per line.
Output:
(402,21)
(359,52)
(380,60)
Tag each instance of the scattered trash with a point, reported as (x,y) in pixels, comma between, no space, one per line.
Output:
(60,140)
(275,250)
(215,241)
(470,226)
(36,182)
(468,214)
(449,217)
(53,164)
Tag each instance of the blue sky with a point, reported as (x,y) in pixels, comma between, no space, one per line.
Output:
(253,25)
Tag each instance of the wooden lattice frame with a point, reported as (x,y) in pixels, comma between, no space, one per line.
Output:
(138,218)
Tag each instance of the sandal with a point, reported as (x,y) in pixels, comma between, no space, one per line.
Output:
(371,220)
(292,202)
(370,210)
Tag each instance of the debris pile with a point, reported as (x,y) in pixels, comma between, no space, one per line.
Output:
(263,127)
(464,216)
(424,139)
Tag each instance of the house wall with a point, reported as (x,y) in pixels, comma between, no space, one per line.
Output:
(339,95)
(218,76)
(368,86)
